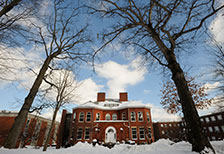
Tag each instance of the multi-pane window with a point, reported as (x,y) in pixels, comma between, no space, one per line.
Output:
(213,118)
(87,135)
(202,120)
(107,116)
(170,125)
(207,119)
(148,116)
(141,133)
(216,129)
(79,134)
(81,117)
(149,132)
(134,133)
(98,116)
(133,116)
(124,116)
(140,116)
(210,129)
(222,127)
(114,116)
(88,117)
(219,117)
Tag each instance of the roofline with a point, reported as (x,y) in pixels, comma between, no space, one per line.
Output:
(109,109)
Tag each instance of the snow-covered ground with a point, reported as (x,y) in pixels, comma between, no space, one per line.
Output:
(160,147)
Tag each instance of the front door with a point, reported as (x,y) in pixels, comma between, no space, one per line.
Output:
(110,135)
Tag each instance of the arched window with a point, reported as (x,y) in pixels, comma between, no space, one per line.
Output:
(97,116)
(81,117)
(114,116)
(107,116)
(88,117)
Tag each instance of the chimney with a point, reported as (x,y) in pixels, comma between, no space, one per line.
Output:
(101,97)
(123,96)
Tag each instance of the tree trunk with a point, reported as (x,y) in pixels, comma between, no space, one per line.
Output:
(195,133)
(18,125)
(51,128)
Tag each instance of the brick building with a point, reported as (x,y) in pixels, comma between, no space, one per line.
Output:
(213,125)
(107,121)
(34,132)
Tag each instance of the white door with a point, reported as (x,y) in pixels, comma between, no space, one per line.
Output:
(110,135)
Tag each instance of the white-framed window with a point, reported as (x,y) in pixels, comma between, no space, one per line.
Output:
(222,127)
(174,125)
(124,116)
(107,117)
(140,116)
(114,116)
(202,120)
(148,116)
(207,119)
(213,118)
(97,116)
(161,125)
(219,117)
(170,125)
(88,117)
(210,129)
(149,132)
(133,118)
(87,134)
(163,132)
(178,125)
(79,134)
(216,128)
(141,133)
(165,125)
(134,133)
(81,117)
(74,116)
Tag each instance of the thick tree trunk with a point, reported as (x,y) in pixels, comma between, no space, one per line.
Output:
(195,133)
(18,125)
(51,128)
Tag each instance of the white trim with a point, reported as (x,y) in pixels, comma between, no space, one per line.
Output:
(111,121)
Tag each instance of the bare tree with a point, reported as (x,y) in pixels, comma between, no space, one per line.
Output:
(62,40)
(218,73)
(64,87)
(160,30)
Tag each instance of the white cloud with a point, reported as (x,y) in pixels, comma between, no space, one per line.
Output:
(211,86)
(217,26)
(120,76)
(87,91)
(160,115)
(147,91)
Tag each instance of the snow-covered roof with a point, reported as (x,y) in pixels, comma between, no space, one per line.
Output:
(113,104)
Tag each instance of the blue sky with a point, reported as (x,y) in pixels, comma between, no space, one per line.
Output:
(115,72)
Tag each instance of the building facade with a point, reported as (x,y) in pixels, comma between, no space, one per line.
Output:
(107,121)
(213,125)
(34,132)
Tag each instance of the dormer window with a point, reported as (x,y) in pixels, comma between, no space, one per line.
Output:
(107,116)
(114,116)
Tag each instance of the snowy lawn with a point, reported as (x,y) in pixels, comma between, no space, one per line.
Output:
(160,147)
